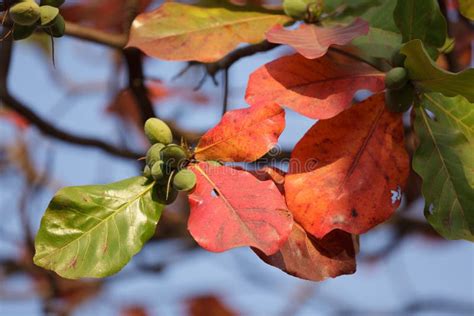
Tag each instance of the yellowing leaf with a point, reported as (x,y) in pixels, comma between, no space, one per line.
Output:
(243,135)
(177,31)
(466,7)
(94,230)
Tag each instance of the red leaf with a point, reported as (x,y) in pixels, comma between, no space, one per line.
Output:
(243,135)
(318,88)
(313,41)
(306,257)
(231,208)
(347,172)
(208,306)
(18,120)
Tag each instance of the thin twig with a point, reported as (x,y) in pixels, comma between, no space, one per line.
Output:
(96,36)
(225,87)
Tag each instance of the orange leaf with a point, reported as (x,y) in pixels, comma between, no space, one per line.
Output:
(231,208)
(306,257)
(318,88)
(347,172)
(313,41)
(243,135)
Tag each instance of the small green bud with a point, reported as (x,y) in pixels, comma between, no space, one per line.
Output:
(400,100)
(396,78)
(147,172)
(22,31)
(25,13)
(298,9)
(153,154)
(48,15)
(157,170)
(158,131)
(184,180)
(173,155)
(53,3)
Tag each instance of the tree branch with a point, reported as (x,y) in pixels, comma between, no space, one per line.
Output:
(41,124)
(228,60)
(96,36)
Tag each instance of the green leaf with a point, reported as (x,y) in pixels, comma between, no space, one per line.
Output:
(177,31)
(421,20)
(466,7)
(445,161)
(93,231)
(455,112)
(379,43)
(381,16)
(427,75)
(379,13)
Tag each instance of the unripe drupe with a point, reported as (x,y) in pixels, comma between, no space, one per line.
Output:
(25,13)
(22,31)
(158,131)
(57,28)
(163,194)
(153,154)
(396,78)
(184,180)
(173,155)
(48,15)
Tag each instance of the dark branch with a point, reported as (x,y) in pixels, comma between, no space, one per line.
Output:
(136,84)
(227,61)
(40,123)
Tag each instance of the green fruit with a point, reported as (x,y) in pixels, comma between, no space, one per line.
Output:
(53,3)
(173,155)
(164,195)
(22,31)
(214,163)
(147,172)
(157,170)
(396,78)
(48,15)
(158,131)
(400,100)
(398,60)
(298,9)
(57,28)
(153,154)
(25,13)
(184,180)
